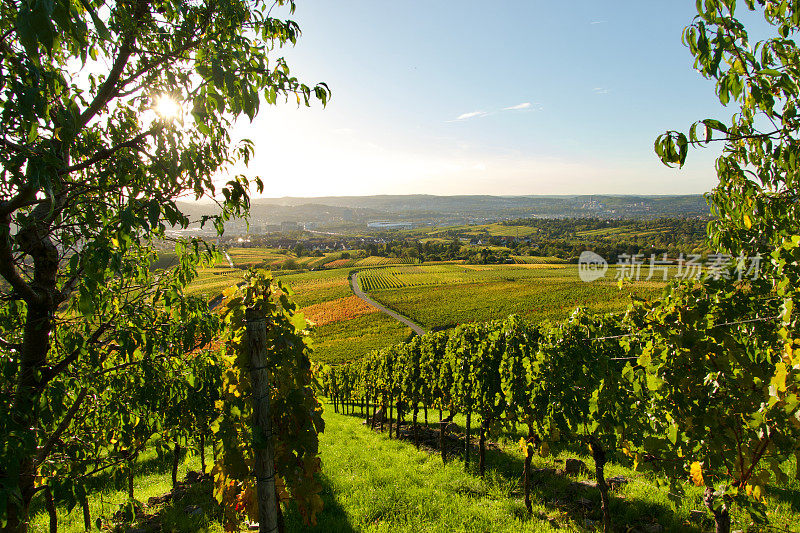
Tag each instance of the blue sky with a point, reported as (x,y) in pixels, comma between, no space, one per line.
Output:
(505,97)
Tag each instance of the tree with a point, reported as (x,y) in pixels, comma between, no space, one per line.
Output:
(737,334)
(111,111)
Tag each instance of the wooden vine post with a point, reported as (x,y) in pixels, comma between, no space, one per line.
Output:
(263,447)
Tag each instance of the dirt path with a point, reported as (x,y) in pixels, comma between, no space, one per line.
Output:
(356,287)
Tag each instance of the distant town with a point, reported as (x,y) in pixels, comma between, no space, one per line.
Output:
(379,214)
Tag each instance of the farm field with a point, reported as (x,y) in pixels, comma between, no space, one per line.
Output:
(212,281)
(445,295)
(433,295)
(345,340)
(493,230)
(346,327)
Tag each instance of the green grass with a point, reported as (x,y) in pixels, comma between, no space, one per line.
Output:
(106,496)
(374,484)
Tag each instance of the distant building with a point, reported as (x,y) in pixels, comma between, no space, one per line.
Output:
(289,226)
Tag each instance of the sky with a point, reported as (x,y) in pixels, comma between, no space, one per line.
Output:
(503,98)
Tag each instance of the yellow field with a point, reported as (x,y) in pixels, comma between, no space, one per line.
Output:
(332,311)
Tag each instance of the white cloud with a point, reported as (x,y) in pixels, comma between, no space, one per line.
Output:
(473,114)
(525,105)
(594,22)
(600,90)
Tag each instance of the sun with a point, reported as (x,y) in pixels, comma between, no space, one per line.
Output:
(167,107)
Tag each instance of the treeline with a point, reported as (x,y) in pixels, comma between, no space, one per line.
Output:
(667,388)
(567,238)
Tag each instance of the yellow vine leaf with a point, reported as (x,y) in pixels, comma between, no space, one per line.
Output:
(626,449)
(747,222)
(544,450)
(523,445)
(696,474)
(779,379)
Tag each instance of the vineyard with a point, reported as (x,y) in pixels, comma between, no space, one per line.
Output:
(533,260)
(377,279)
(379,261)
(611,383)
(385,278)
(445,295)
(146,389)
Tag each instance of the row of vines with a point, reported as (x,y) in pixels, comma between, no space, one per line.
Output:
(379,279)
(687,388)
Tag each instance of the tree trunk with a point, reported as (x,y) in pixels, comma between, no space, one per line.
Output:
(176,459)
(383,410)
(399,418)
(599,455)
(722,516)
(526,472)
(87,517)
(416,429)
(33,358)
(391,412)
(441,438)
(203,452)
(130,480)
(425,410)
(51,510)
(466,441)
(482,450)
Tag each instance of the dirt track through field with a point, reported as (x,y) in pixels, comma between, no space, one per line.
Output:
(356,286)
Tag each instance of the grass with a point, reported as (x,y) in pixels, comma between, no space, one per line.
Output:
(153,479)
(374,484)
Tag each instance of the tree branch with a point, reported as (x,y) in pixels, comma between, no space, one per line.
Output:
(7,268)
(44,451)
(108,152)
(68,360)
(109,87)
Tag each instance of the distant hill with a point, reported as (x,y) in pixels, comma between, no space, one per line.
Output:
(353,213)
(502,207)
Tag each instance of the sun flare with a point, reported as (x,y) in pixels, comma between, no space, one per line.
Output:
(167,107)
